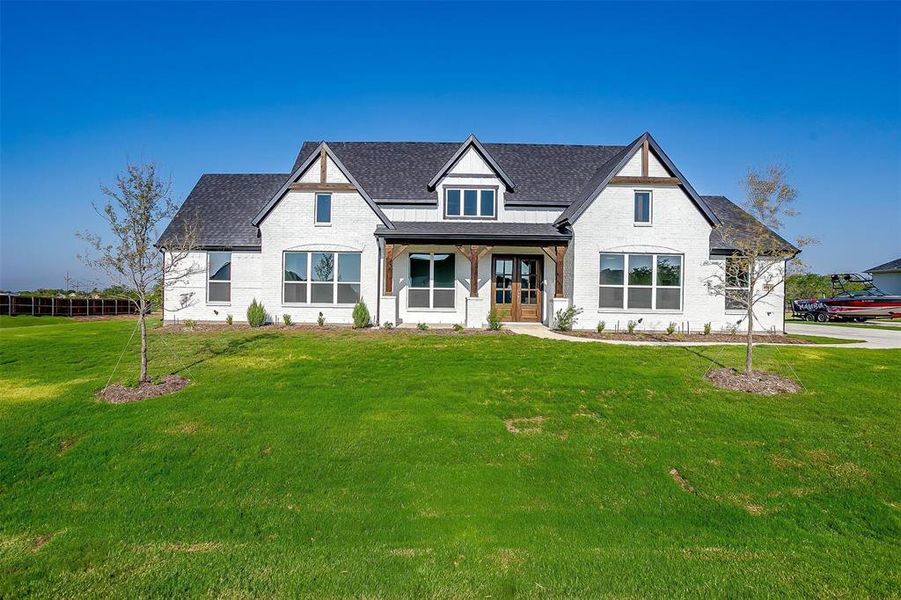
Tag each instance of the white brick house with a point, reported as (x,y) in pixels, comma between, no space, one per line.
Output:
(444,233)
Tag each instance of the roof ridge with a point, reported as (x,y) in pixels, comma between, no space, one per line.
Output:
(456,143)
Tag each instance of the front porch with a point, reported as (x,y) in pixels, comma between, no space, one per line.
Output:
(447,273)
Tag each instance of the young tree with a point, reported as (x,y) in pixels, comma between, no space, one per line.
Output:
(761,258)
(133,210)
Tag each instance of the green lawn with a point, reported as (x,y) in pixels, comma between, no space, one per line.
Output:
(346,464)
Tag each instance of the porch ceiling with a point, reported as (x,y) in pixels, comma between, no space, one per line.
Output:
(475,231)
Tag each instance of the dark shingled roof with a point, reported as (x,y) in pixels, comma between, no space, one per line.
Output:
(459,231)
(737,221)
(892,265)
(551,174)
(400,171)
(223,206)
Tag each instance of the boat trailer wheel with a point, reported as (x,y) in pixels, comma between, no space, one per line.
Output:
(822,317)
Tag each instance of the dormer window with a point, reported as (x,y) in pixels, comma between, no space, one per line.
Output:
(470,203)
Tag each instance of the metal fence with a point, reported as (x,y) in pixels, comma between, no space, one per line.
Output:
(12,304)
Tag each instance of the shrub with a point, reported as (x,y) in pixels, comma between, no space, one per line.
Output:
(564,319)
(286,319)
(601,326)
(494,320)
(320,320)
(229,319)
(361,315)
(422,326)
(707,328)
(458,327)
(671,328)
(256,314)
(630,326)
(388,325)
(190,323)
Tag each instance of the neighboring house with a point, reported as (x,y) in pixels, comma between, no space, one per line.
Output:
(446,232)
(887,276)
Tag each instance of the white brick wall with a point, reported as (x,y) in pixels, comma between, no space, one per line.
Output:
(186,298)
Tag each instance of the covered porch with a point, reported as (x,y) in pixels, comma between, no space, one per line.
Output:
(457,272)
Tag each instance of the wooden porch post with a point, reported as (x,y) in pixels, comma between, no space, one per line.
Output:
(473,271)
(389,269)
(559,252)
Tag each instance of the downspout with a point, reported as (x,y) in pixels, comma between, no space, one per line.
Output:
(378,286)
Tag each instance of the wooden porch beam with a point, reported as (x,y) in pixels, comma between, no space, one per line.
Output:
(473,255)
(322,187)
(623,180)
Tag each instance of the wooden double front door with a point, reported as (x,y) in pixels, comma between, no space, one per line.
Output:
(516,287)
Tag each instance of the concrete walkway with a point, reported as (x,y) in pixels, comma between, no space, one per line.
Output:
(873,339)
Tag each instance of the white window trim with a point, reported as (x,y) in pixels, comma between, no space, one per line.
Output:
(650,220)
(431,287)
(309,282)
(208,280)
(653,287)
(331,211)
(478,189)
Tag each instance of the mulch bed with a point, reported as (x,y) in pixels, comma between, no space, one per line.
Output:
(207,327)
(120,394)
(649,336)
(756,382)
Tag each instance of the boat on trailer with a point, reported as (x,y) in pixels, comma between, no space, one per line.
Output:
(855,298)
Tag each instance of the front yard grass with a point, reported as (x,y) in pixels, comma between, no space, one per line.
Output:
(424,464)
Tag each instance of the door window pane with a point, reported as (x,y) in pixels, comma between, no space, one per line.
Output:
(639,269)
(453,202)
(349,267)
(444,270)
(669,270)
(419,270)
(323,266)
(612,269)
(487,203)
(323,208)
(639,297)
(470,202)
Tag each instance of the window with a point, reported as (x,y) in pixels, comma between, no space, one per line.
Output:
(640,281)
(219,276)
(321,278)
(323,209)
(737,283)
(431,281)
(470,203)
(643,208)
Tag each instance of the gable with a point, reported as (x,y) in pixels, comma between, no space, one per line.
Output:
(470,146)
(471,163)
(330,176)
(644,162)
(609,174)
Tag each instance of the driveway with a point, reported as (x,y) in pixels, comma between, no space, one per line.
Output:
(874,338)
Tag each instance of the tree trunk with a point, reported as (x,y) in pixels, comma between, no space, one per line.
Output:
(750,346)
(142,320)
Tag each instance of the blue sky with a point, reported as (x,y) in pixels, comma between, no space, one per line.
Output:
(236,87)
